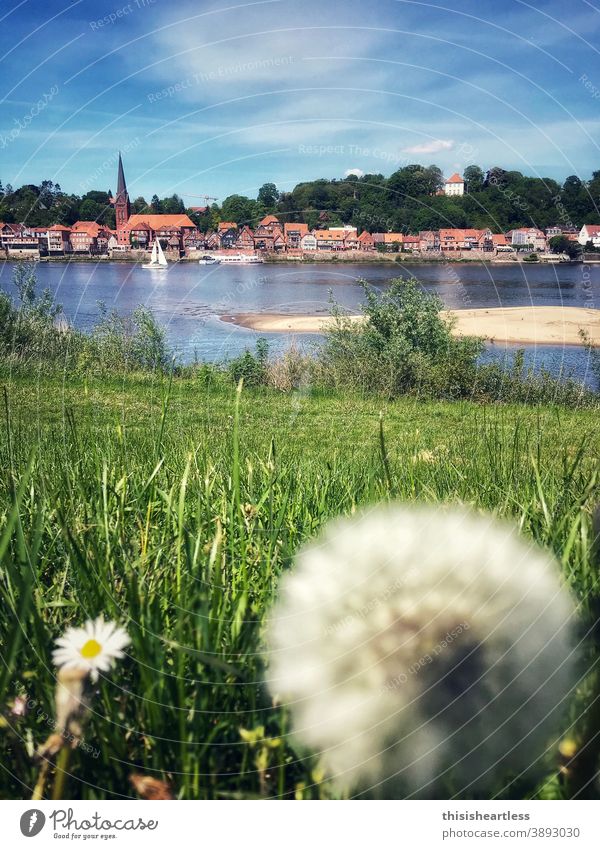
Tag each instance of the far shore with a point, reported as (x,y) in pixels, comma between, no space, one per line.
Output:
(319,258)
(524,325)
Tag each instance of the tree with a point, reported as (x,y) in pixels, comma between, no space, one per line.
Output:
(172,205)
(562,245)
(495,177)
(241,209)
(433,180)
(268,195)
(474,178)
(139,205)
(90,210)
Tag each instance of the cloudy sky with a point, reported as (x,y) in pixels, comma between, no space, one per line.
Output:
(218,97)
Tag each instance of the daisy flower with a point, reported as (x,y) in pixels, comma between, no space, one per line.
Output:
(92,648)
(422,651)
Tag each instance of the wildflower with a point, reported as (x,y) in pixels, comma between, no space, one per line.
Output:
(19,706)
(453,682)
(424,456)
(91,648)
(150,788)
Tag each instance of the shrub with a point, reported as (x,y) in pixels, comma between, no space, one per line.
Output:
(30,327)
(131,343)
(292,371)
(406,345)
(252,368)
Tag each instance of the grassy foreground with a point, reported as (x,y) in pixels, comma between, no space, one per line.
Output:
(168,507)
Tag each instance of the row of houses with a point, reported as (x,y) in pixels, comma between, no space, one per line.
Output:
(272,236)
(84,237)
(178,234)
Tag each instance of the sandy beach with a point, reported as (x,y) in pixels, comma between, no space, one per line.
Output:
(527,325)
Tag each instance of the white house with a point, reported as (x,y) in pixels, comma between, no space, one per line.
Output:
(454,185)
(589,233)
(308,242)
(528,236)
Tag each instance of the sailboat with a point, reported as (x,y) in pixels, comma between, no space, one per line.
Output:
(158,260)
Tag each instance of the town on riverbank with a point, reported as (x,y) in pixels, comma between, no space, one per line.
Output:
(124,230)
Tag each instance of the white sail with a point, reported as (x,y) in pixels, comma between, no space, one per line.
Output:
(158,260)
(162,260)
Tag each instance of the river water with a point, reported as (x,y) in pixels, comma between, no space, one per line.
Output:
(189,298)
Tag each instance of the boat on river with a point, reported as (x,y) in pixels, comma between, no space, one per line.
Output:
(241,259)
(158,261)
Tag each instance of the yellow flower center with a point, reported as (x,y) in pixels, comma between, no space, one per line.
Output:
(91,649)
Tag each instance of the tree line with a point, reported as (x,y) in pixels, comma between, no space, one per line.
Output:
(407,201)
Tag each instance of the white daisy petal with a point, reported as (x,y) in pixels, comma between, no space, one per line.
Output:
(94,646)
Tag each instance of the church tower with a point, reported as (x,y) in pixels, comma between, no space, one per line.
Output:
(122,208)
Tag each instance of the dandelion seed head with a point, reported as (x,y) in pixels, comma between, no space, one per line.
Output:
(422,648)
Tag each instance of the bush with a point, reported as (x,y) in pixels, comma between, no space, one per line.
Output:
(33,330)
(134,343)
(30,327)
(251,368)
(405,346)
(292,371)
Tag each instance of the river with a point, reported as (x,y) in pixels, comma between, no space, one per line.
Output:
(188,299)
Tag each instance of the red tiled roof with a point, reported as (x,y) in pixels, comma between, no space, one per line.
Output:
(269,219)
(56,227)
(227,225)
(327,234)
(158,221)
(455,178)
(293,227)
(592,229)
(92,228)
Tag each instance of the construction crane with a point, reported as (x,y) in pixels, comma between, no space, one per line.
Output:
(201,197)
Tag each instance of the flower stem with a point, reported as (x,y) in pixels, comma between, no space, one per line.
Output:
(60,779)
(38,792)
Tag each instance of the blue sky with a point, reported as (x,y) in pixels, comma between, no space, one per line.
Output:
(219,97)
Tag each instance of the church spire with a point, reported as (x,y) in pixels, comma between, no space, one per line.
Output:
(122,208)
(121,185)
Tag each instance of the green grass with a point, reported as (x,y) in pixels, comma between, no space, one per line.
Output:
(161,506)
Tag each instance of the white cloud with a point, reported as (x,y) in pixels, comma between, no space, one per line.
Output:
(434,146)
(356,172)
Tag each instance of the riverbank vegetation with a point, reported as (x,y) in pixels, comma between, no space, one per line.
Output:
(405,348)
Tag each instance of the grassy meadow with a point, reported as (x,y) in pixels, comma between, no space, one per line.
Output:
(173,505)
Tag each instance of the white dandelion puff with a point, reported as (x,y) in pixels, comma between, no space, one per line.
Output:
(92,648)
(422,651)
